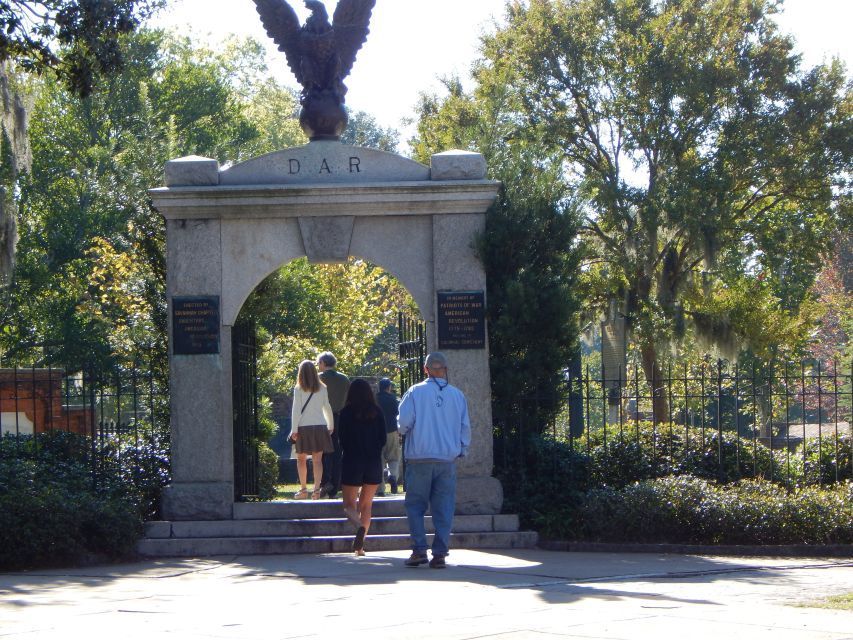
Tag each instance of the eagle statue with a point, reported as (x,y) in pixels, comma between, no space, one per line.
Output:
(321,55)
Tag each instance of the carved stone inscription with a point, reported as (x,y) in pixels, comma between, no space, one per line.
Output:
(296,167)
(195,325)
(324,163)
(461,320)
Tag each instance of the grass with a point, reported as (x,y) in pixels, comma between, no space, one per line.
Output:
(286,491)
(843,601)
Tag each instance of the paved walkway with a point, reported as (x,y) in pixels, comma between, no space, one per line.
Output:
(482,594)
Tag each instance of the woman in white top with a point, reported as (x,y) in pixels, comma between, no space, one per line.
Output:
(312,422)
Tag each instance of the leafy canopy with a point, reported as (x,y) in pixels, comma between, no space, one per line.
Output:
(527,247)
(77,39)
(704,157)
(90,277)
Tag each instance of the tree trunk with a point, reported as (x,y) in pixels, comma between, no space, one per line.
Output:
(652,371)
(14,160)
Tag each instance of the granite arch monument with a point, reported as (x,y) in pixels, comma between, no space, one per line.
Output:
(228,228)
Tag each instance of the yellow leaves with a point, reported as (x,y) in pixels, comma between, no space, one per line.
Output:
(114,292)
(751,310)
(358,306)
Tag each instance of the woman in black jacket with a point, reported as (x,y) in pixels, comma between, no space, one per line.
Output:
(361,429)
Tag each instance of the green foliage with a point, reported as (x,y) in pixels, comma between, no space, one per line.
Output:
(268,472)
(303,309)
(52,511)
(547,481)
(825,460)
(85,32)
(527,249)
(544,481)
(688,510)
(90,279)
(711,169)
(364,131)
(645,450)
(274,110)
(531,300)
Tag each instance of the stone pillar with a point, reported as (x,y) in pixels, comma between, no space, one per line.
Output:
(200,395)
(456,266)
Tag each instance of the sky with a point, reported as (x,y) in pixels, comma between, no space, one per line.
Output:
(413,43)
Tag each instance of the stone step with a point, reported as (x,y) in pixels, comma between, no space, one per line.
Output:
(389,506)
(318,526)
(260,545)
(310,527)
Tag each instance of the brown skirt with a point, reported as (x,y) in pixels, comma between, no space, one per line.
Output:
(313,438)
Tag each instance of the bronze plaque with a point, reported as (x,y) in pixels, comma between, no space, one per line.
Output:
(195,325)
(461,320)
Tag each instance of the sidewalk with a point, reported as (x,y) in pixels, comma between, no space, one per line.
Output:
(482,594)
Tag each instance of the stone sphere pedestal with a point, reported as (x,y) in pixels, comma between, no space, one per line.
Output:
(323,118)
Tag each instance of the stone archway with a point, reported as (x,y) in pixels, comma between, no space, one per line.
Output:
(227,229)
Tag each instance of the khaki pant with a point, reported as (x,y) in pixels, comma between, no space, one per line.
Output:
(391,455)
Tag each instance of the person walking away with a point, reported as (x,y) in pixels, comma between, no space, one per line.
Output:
(391,451)
(361,433)
(434,420)
(312,423)
(337,384)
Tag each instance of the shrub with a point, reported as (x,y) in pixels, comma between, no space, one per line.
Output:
(267,472)
(646,450)
(825,460)
(55,510)
(664,486)
(543,481)
(688,510)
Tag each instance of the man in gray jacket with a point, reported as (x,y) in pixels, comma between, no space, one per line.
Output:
(337,385)
(434,419)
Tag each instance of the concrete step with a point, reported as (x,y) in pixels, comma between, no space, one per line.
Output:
(389,506)
(316,527)
(192,547)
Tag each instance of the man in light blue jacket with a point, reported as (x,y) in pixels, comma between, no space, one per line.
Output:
(434,421)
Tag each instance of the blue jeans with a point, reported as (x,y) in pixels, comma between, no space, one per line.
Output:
(430,485)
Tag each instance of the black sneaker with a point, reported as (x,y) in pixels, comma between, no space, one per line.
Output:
(358,542)
(437,562)
(416,559)
(393,482)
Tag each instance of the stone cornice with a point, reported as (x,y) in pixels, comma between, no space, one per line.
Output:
(285,201)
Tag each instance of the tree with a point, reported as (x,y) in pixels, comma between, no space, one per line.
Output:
(76,39)
(528,249)
(303,309)
(364,131)
(832,343)
(14,161)
(90,278)
(706,160)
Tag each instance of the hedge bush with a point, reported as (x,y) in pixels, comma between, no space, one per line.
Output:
(689,510)
(664,486)
(54,511)
(267,472)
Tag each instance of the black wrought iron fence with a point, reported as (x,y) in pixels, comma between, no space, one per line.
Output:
(789,423)
(411,349)
(115,420)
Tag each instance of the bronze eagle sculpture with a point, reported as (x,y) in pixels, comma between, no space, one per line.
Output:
(320,54)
